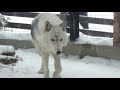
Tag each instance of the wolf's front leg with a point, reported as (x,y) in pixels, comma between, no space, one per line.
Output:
(41,71)
(58,67)
(45,65)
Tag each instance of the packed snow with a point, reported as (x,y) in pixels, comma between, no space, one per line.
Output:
(6,48)
(73,66)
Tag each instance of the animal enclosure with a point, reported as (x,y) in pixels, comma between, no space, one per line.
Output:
(91,36)
(87,24)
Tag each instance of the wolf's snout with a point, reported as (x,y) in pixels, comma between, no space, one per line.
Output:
(59,52)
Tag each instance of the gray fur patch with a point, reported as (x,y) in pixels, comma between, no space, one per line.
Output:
(34,28)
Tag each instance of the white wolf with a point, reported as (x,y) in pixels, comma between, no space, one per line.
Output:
(49,36)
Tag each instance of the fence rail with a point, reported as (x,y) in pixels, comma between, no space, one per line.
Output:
(81,19)
(96,20)
(20,14)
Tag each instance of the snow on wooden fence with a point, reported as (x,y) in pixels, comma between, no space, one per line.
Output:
(72,23)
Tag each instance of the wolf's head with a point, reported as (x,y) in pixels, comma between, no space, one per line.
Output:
(56,37)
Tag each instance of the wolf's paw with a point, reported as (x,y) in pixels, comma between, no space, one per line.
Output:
(46,77)
(56,76)
(40,71)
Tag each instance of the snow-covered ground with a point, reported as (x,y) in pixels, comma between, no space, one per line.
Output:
(85,39)
(73,66)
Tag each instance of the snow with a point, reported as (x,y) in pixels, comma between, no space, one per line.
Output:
(99,27)
(15,35)
(73,66)
(107,15)
(8,48)
(23,20)
(85,39)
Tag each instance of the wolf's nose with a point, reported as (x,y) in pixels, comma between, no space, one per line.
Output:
(59,52)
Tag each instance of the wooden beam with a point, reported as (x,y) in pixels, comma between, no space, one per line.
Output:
(94,33)
(96,20)
(93,20)
(116,34)
(18,25)
(20,14)
(74,25)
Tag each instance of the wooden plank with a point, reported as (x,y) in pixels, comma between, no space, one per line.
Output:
(116,34)
(74,26)
(18,25)
(96,20)
(20,14)
(93,20)
(94,33)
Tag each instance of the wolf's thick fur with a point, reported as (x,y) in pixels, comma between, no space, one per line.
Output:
(49,36)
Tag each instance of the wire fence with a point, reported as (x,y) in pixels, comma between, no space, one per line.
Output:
(100,25)
(95,24)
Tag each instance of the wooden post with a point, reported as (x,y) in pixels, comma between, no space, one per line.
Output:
(74,25)
(116,34)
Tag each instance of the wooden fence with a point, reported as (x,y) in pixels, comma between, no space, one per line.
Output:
(73,19)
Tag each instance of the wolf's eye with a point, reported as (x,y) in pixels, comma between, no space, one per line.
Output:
(52,40)
(61,39)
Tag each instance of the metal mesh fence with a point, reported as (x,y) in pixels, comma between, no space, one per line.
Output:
(97,27)
(89,26)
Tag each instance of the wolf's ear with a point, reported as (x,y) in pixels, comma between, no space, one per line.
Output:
(48,26)
(63,26)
